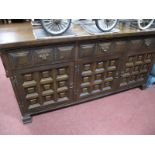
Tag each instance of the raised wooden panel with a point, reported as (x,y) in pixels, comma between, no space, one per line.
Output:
(136,44)
(120,46)
(65,52)
(86,50)
(20,59)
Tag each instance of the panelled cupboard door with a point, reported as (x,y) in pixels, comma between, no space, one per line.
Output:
(46,86)
(97,76)
(135,68)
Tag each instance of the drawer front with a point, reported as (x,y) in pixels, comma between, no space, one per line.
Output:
(87,50)
(65,52)
(43,55)
(109,47)
(142,44)
(20,59)
(120,46)
(102,48)
(94,49)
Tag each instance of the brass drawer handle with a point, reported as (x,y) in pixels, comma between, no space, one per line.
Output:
(71,85)
(43,56)
(104,50)
(116,75)
(147,42)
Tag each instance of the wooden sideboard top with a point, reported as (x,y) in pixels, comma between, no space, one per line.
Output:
(18,35)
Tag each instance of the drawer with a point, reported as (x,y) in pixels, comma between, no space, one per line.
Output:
(53,54)
(87,50)
(43,55)
(109,47)
(20,59)
(65,52)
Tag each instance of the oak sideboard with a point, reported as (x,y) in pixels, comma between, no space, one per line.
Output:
(52,73)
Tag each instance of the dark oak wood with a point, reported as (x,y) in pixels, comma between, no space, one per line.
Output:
(49,74)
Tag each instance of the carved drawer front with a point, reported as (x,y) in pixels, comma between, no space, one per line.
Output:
(53,86)
(65,52)
(20,59)
(43,55)
(136,69)
(97,77)
(86,50)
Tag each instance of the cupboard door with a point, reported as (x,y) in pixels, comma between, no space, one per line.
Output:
(135,68)
(97,77)
(48,86)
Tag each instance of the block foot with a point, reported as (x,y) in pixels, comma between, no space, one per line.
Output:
(143,87)
(27,119)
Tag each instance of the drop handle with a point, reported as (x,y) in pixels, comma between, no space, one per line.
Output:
(71,85)
(116,75)
(148,42)
(105,50)
(43,56)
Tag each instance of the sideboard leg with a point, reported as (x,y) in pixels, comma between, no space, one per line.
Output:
(143,87)
(27,119)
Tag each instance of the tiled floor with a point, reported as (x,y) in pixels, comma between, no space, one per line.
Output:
(130,112)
